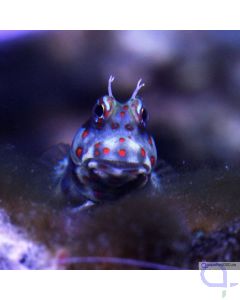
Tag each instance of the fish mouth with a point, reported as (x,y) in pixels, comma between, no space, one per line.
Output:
(118,173)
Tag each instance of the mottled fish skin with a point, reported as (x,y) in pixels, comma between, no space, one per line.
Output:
(111,154)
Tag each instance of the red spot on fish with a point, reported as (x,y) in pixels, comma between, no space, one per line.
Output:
(129,127)
(106,150)
(122,152)
(122,114)
(110,101)
(143,152)
(96,152)
(125,107)
(114,125)
(150,141)
(85,133)
(106,113)
(97,145)
(152,159)
(99,123)
(79,151)
(121,140)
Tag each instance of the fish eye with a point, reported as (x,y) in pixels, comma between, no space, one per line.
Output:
(99,110)
(144,115)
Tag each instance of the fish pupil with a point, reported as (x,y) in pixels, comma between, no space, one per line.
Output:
(144,115)
(99,111)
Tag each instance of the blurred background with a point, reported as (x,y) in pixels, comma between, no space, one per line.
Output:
(49,81)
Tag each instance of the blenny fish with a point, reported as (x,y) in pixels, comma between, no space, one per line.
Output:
(111,154)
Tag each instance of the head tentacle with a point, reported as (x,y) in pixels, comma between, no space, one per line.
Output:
(138,87)
(111,79)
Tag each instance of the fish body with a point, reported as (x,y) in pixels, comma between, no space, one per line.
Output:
(111,154)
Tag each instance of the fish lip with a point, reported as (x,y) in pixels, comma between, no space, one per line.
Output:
(117,177)
(139,168)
